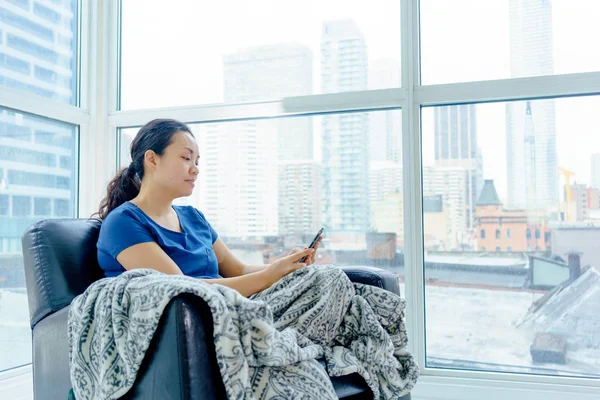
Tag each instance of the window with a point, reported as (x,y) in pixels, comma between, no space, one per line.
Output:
(507,39)
(25,199)
(39,56)
(469,134)
(497,331)
(338,46)
(31,60)
(335,196)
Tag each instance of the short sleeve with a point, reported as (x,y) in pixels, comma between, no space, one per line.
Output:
(121,231)
(213,234)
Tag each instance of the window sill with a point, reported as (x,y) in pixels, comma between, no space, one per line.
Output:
(449,388)
(17,384)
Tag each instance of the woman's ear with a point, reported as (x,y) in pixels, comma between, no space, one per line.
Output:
(150,160)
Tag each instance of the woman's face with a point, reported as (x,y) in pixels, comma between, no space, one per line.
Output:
(177,169)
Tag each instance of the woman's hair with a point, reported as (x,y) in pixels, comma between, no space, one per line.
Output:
(156,135)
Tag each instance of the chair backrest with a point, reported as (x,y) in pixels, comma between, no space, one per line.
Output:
(60,261)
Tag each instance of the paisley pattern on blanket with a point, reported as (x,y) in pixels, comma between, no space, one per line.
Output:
(267,345)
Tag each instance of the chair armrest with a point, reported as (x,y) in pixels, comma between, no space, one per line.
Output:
(374,277)
(181,362)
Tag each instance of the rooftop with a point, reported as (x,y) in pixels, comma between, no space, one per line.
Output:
(489,196)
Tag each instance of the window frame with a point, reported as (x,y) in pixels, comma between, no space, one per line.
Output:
(411,103)
(100,121)
(80,116)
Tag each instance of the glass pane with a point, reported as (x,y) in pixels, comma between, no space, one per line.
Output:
(511,219)
(34,185)
(268,186)
(199,52)
(472,40)
(38,48)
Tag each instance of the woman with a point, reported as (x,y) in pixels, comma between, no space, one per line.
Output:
(141,227)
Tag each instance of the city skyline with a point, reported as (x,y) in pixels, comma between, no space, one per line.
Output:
(578,178)
(485,56)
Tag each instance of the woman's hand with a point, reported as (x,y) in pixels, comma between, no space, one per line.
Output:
(285,265)
(310,259)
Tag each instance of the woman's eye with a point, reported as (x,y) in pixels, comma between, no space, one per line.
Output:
(187,158)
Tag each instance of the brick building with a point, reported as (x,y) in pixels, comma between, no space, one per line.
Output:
(504,230)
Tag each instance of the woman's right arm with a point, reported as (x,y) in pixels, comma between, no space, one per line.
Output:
(147,254)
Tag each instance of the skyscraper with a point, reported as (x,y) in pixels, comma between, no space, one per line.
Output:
(300,183)
(385,178)
(345,136)
(37,156)
(530,126)
(238,178)
(455,134)
(250,155)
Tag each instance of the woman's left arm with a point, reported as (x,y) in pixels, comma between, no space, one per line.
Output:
(229,265)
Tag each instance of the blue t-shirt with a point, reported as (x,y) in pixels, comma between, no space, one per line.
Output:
(191,250)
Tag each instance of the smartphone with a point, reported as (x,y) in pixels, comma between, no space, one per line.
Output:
(313,243)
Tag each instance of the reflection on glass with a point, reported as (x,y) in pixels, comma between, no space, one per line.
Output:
(38,48)
(36,182)
(511,211)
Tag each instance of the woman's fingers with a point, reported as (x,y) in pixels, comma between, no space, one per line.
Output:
(295,250)
(297,256)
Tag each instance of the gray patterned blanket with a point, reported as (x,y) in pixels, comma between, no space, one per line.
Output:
(270,341)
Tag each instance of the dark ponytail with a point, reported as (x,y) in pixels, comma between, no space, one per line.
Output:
(156,135)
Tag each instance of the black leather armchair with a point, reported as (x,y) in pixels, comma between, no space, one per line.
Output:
(60,263)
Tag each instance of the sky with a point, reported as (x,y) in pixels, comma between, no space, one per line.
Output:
(172,56)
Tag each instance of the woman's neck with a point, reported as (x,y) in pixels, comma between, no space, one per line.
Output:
(154,202)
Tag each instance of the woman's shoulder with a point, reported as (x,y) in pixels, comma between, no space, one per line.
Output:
(125,213)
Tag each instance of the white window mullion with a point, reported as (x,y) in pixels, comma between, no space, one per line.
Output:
(32,104)
(536,87)
(99,94)
(411,148)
